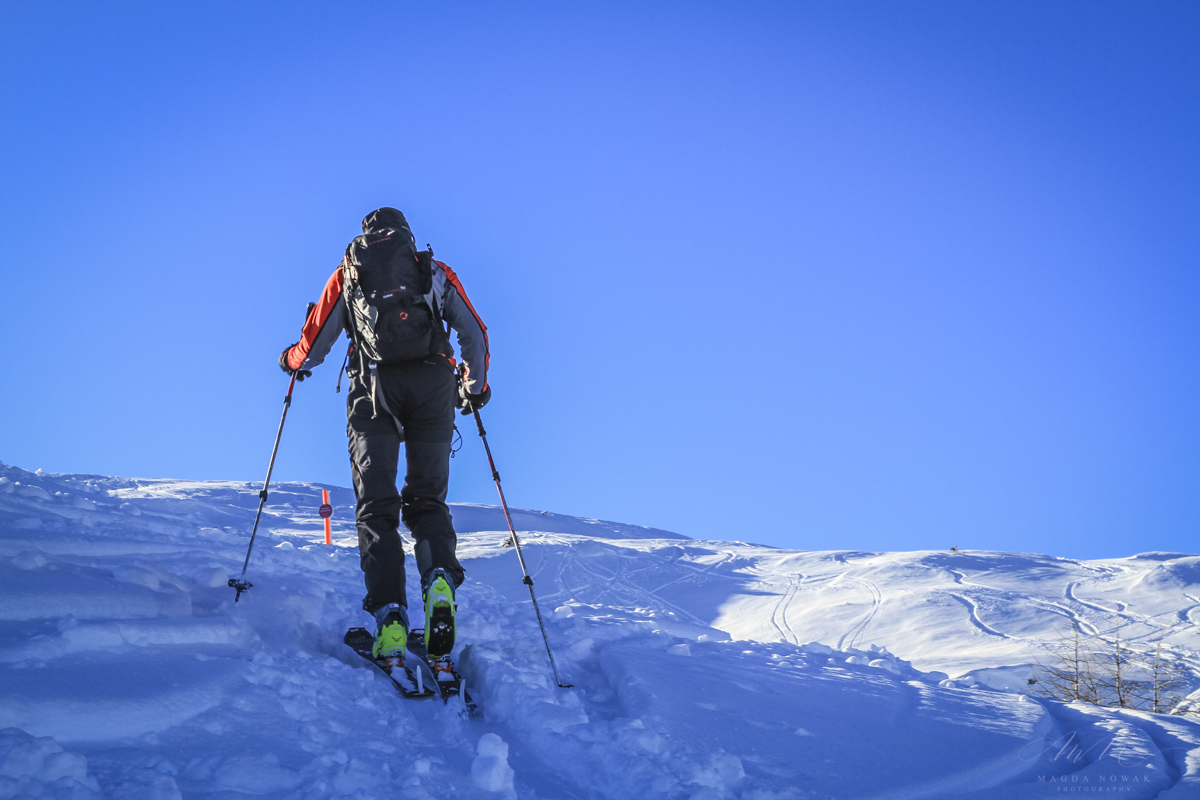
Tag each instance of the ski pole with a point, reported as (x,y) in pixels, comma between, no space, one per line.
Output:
(527,580)
(242,585)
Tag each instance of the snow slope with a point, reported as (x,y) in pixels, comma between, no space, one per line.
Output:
(700,669)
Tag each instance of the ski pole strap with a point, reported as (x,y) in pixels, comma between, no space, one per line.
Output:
(374,390)
(345,361)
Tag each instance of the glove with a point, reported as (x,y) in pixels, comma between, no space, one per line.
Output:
(473,402)
(300,374)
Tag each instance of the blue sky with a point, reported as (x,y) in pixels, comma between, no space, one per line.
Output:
(835,275)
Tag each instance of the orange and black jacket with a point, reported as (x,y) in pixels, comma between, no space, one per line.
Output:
(329,317)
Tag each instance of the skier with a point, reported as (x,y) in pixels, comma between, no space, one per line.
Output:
(392,302)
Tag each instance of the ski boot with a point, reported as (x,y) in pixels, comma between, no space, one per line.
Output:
(391,634)
(440,608)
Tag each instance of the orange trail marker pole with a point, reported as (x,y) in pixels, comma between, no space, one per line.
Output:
(326,511)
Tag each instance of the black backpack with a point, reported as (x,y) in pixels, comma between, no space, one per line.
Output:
(386,283)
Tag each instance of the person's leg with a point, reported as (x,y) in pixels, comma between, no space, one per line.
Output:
(374,455)
(425,511)
(428,417)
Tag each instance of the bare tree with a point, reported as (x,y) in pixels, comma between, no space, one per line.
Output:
(1070,675)
(1107,672)
(1167,677)
(1115,680)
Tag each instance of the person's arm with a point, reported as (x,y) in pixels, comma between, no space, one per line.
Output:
(324,324)
(472,333)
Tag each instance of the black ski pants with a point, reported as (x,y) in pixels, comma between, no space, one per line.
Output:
(413,404)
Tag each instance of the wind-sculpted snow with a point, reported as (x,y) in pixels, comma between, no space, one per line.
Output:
(700,670)
(472,517)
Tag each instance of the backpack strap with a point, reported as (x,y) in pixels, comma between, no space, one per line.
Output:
(351,325)
(435,301)
(364,368)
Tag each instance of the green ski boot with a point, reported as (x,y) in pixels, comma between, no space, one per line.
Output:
(391,632)
(440,609)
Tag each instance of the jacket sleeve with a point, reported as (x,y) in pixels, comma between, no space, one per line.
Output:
(324,324)
(472,333)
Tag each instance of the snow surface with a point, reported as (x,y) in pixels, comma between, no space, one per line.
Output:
(701,670)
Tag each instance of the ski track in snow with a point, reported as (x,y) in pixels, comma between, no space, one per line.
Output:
(973,613)
(690,676)
(1069,593)
(852,637)
(779,622)
(1124,617)
(619,586)
(1085,626)
(1185,616)
(696,573)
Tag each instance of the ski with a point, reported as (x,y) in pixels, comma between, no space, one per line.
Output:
(416,676)
(446,677)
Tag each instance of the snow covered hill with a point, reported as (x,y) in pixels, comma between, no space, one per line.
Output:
(701,670)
